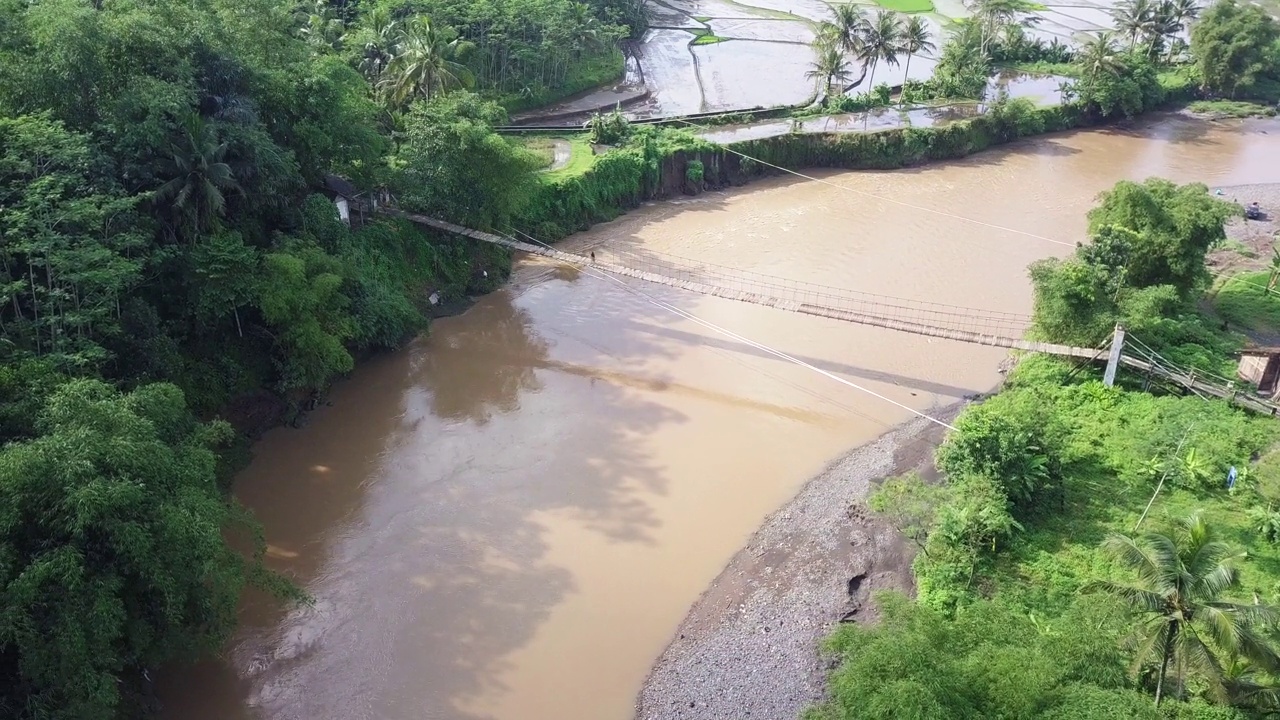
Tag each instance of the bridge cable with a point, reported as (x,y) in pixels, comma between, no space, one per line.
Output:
(735,336)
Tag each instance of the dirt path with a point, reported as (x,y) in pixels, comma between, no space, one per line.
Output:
(749,646)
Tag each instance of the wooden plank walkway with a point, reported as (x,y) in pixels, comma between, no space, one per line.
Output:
(863,318)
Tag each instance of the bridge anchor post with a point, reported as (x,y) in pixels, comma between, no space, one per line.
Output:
(1113,360)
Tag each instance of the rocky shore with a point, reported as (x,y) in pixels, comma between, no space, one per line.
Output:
(749,647)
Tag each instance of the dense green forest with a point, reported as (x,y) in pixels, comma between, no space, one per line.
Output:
(168,256)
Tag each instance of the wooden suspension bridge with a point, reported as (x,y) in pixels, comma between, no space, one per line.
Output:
(981,327)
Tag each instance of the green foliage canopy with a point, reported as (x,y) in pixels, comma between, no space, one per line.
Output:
(1234,46)
(111,548)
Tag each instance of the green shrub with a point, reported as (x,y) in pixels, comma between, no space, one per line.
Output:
(693,172)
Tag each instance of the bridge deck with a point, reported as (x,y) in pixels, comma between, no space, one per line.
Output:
(889,318)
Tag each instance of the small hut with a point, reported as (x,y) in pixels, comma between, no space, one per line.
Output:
(1261,366)
(343,194)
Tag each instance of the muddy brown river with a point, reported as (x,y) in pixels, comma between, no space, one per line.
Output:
(508,519)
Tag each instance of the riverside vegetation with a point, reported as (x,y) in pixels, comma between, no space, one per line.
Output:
(167,259)
(1086,555)
(169,262)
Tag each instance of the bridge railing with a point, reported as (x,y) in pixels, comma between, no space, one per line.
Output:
(809,297)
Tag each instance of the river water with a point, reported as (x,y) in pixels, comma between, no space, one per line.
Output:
(508,519)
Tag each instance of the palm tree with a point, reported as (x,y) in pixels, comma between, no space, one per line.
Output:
(380,34)
(829,66)
(424,64)
(1100,55)
(915,38)
(1066,91)
(200,174)
(846,34)
(321,27)
(1135,18)
(882,42)
(994,15)
(1177,15)
(1187,626)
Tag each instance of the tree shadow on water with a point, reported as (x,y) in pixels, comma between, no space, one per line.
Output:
(475,553)
(434,540)
(474,367)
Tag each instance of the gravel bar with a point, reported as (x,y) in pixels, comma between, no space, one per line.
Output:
(749,647)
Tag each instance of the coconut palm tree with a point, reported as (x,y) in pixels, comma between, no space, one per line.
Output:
(1177,16)
(915,39)
(881,42)
(321,26)
(993,15)
(1135,19)
(1066,91)
(846,34)
(425,64)
(830,66)
(379,35)
(1100,55)
(1186,624)
(200,177)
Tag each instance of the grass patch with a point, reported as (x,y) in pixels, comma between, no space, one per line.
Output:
(907,6)
(708,39)
(581,159)
(1244,301)
(1111,439)
(543,146)
(1045,68)
(1176,81)
(702,18)
(1230,108)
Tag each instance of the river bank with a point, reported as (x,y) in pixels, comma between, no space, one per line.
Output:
(461,571)
(750,645)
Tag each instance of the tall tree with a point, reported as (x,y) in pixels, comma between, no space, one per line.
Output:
(1135,19)
(883,41)
(1099,55)
(847,34)
(378,35)
(829,67)
(1175,16)
(1187,626)
(321,26)
(68,243)
(1231,43)
(112,558)
(200,177)
(915,39)
(992,16)
(425,64)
